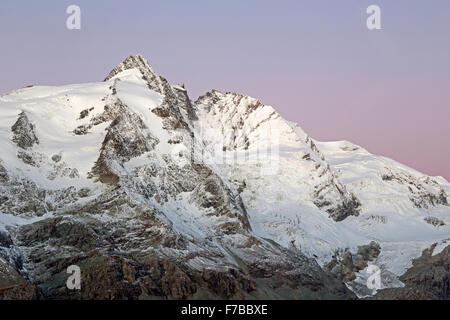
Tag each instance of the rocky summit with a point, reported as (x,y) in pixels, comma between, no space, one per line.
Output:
(156,196)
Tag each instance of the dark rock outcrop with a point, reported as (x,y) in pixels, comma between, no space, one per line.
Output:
(23,130)
(12,285)
(345,264)
(127,137)
(424,193)
(435,221)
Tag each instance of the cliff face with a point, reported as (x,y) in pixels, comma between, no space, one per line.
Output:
(155,196)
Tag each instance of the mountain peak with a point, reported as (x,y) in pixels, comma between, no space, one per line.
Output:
(153,80)
(232,101)
(132,62)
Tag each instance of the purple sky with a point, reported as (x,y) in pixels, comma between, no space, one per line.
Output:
(314,60)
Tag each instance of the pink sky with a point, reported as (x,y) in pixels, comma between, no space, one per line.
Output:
(314,61)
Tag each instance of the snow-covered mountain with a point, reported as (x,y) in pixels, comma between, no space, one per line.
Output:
(154,195)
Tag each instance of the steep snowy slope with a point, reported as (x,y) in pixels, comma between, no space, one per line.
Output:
(223,190)
(291,198)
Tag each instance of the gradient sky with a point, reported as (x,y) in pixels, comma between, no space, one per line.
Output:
(313,60)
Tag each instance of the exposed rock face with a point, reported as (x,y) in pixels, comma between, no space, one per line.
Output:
(330,188)
(349,205)
(127,137)
(345,264)
(154,81)
(240,123)
(236,110)
(5,240)
(21,196)
(50,246)
(173,99)
(3,174)
(23,130)
(428,278)
(435,221)
(213,195)
(12,285)
(112,109)
(425,193)
(369,252)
